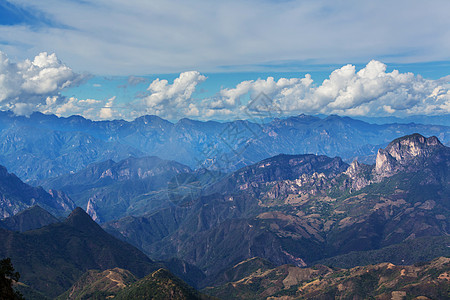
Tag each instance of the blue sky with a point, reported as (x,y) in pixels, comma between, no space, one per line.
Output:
(232,49)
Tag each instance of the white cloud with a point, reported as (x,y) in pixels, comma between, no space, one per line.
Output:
(89,108)
(33,85)
(107,112)
(173,100)
(72,106)
(370,91)
(292,87)
(373,91)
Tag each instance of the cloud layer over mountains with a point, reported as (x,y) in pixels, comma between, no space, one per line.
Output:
(369,91)
(35,85)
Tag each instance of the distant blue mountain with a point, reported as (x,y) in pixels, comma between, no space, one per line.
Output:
(15,196)
(419,119)
(44,146)
(110,190)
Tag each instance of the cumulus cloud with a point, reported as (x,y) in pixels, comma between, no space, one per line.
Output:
(370,91)
(293,87)
(73,106)
(34,85)
(173,100)
(107,112)
(93,109)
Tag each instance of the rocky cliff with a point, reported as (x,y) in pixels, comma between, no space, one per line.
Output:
(409,153)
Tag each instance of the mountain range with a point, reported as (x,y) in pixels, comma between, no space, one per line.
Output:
(110,190)
(300,209)
(44,146)
(258,230)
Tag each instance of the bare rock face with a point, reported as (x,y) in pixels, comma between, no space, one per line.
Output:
(358,173)
(15,196)
(91,210)
(410,153)
(62,199)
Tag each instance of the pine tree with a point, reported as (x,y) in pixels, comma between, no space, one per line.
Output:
(7,276)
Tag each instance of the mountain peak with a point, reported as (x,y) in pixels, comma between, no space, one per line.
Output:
(36,210)
(405,152)
(162,273)
(4,173)
(78,212)
(151,119)
(161,284)
(414,140)
(31,218)
(81,220)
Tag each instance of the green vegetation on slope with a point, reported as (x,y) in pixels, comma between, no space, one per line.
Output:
(52,258)
(95,284)
(160,285)
(381,281)
(408,252)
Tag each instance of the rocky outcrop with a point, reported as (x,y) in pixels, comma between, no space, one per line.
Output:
(410,153)
(91,210)
(304,167)
(62,200)
(359,174)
